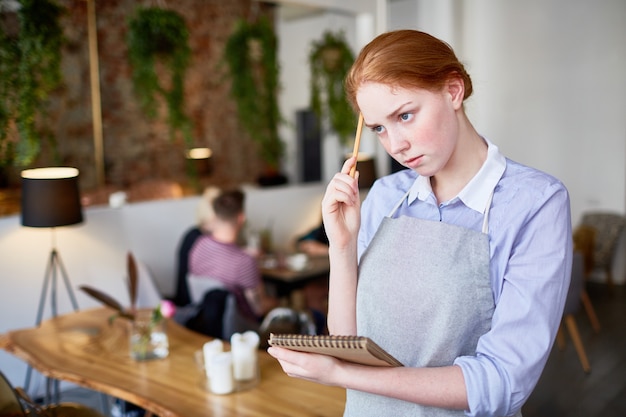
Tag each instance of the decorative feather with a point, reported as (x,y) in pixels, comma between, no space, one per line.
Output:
(107,300)
(132,280)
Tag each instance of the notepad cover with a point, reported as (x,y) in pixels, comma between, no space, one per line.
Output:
(357,349)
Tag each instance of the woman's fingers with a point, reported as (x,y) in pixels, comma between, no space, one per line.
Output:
(342,188)
(341,206)
(309,366)
(347,165)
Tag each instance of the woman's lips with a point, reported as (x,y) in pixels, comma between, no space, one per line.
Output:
(413,162)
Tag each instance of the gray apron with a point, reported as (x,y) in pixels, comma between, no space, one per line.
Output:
(424,295)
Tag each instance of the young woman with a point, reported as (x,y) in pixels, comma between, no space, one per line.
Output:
(462,261)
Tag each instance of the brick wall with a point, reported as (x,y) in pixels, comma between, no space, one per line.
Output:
(135,148)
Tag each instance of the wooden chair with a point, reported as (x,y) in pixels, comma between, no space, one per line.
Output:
(14,402)
(572,305)
(608,229)
(584,243)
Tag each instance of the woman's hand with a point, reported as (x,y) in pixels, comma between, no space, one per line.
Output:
(341,207)
(310,366)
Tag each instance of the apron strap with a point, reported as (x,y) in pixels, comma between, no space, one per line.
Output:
(486,216)
(485,228)
(398,204)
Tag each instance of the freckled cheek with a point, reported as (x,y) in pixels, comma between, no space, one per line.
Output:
(419,136)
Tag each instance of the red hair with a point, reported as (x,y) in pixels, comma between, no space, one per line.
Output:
(406,58)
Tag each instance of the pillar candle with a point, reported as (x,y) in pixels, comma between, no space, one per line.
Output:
(210,349)
(244,348)
(221,373)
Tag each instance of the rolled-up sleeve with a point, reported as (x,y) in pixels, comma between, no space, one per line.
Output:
(530,273)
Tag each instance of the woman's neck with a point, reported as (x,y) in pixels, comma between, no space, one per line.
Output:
(466,160)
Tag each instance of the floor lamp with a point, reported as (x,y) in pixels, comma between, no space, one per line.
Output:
(50,198)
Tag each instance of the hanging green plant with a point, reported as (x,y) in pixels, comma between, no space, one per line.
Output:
(9,62)
(250,55)
(30,69)
(157,34)
(330,60)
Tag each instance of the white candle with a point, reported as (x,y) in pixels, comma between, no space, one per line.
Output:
(210,349)
(221,373)
(244,348)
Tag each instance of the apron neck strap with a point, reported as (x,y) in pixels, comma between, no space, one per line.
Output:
(398,204)
(486,215)
(485,228)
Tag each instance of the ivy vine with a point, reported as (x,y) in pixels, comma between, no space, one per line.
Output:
(250,54)
(330,60)
(30,69)
(160,34)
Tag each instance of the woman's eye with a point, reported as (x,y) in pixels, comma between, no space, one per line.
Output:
(406,116)
(378,129)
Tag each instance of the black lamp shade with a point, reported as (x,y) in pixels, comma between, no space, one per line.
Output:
(50,197)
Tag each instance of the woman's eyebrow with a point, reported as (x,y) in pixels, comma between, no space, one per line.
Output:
(398,110)
(391,115)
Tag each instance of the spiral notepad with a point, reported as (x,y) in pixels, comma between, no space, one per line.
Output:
(358,349)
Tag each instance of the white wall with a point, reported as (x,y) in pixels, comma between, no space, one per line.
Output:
(548,75)
(551,91)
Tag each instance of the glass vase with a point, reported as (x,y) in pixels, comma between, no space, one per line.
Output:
(148,337)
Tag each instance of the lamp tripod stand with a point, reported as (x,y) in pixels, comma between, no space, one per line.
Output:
(54,265)
(53,268)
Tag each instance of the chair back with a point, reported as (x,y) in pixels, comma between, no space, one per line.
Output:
(199,286)
(218,313)
(285,320)
(13,402)
(10,405)
(584,242)
(572,302)
(608,228)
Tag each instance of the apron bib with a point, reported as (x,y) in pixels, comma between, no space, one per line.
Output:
(424,295)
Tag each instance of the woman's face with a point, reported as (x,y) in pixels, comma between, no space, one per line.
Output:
(417,127)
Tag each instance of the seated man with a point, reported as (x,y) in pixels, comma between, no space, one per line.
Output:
(217,255)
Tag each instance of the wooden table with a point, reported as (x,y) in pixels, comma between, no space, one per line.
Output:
(84,349)
(286,280)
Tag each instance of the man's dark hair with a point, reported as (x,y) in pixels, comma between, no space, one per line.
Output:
(229,204)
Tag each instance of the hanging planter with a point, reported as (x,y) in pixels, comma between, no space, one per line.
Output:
(30,69)
(330,60)
(250,55)
(159,35)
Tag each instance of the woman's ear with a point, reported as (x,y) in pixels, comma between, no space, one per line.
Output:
(456,89)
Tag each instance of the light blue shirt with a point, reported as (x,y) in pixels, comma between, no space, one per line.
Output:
(529,229)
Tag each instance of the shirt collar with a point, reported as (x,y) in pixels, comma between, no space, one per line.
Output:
(476,192)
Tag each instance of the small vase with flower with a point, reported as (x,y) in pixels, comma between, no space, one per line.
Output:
(148,333)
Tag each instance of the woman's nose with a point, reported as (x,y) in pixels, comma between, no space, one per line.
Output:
(397,142)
